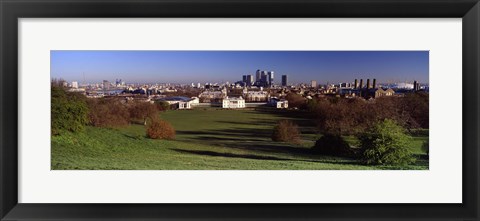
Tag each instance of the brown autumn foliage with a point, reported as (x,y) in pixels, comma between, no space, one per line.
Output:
(141,111)
(341,116)
(160,129)
(108,112)
(295,100)
(286,131)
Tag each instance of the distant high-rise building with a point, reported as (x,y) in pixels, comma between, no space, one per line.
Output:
(249,80)
(258,76)
(270,78)
(263,78)
(74,84)
(313,83)
(284,80)
(416,86)
(244,78)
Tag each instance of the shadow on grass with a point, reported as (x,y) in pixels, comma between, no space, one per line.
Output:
(210,138)
(135,137)
(259,157)
(231,155)
(252,139)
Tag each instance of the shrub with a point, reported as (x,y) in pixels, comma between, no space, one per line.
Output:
(286,131)
(386,143)
(69,111)
(333,145)
(160,129)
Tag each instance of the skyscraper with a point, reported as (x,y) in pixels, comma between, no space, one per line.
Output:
(313,83)
(264,78)
(270,78)
(249,80)
(258,76)
(284,80)
(416,86)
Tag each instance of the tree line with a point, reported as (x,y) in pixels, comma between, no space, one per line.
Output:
(382,126)
(71,112)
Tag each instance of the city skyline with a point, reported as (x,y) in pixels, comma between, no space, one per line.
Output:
(187,67)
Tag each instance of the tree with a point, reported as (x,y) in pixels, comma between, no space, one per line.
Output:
(295,100)
(416,105)
(160,129)
(333,145)
(162,105)
(69,111)
(108,112)
(341,116)
(386,143)
(143,111)
(286,131)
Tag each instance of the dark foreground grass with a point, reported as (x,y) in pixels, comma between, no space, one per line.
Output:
(207,139)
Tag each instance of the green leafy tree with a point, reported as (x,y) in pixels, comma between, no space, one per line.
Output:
(386,143)
(69,111)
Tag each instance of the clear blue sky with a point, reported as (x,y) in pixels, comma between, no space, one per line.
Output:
(221,66)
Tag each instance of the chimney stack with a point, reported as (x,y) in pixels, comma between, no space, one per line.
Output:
(355,86)
(361,84)
(374,83)
(415,86)
(368,83)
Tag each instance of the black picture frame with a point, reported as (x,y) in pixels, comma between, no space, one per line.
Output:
(12,10)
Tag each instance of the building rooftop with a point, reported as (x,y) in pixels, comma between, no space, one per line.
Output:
(176,98)
(234,98)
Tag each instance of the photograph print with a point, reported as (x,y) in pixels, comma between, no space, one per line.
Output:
(239,110)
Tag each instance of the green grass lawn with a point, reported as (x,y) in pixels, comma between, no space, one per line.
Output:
(207,139)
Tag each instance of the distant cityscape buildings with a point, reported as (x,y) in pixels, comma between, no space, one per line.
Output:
(264,78)
(75,84)
(284,80)
(106,85)
(253,90)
